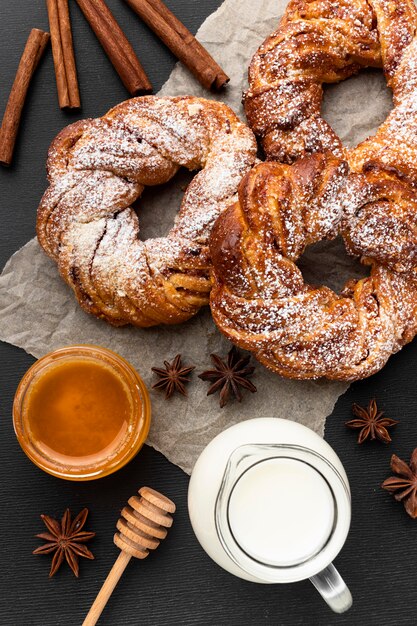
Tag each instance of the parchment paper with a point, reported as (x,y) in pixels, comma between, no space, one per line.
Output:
(39,313)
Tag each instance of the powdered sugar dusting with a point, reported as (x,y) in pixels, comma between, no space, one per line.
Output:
(260,299)
(98,168)
(315,43)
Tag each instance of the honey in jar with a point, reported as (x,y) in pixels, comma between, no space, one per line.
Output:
(81,412)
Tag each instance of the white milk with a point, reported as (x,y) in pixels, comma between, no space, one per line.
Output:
(269,501)
(281,511)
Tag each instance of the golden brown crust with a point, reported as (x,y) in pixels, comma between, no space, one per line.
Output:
(318,42)
(260,300)
(368,195)
(98,168)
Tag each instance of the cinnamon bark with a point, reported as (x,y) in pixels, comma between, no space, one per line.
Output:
(116,46)
(181,42)
(63,53)
(31,56)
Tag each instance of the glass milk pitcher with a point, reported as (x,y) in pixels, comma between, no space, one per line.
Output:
(269,501)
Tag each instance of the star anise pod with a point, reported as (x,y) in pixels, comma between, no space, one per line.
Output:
(66,539)
(404,485)
(172,377)
(371,422)
(229,375)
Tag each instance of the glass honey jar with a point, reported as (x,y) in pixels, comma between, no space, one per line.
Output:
(81,412)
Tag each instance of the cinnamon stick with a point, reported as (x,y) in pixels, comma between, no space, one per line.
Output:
(63,53)
(31,56)
(116,46)
(181,42)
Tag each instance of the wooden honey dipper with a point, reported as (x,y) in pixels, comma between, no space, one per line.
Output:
(142,526)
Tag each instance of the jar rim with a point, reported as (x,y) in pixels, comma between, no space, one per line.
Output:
(140,418)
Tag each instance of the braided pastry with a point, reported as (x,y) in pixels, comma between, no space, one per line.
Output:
(260,299)
(317,42)
(97,168)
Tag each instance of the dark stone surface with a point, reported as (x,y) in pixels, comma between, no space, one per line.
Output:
(179,585)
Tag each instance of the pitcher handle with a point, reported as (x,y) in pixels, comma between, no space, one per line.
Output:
(332,588)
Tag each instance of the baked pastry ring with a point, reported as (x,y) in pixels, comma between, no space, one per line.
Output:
(318,42)
(321,41)
(260,299)
(97,168)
